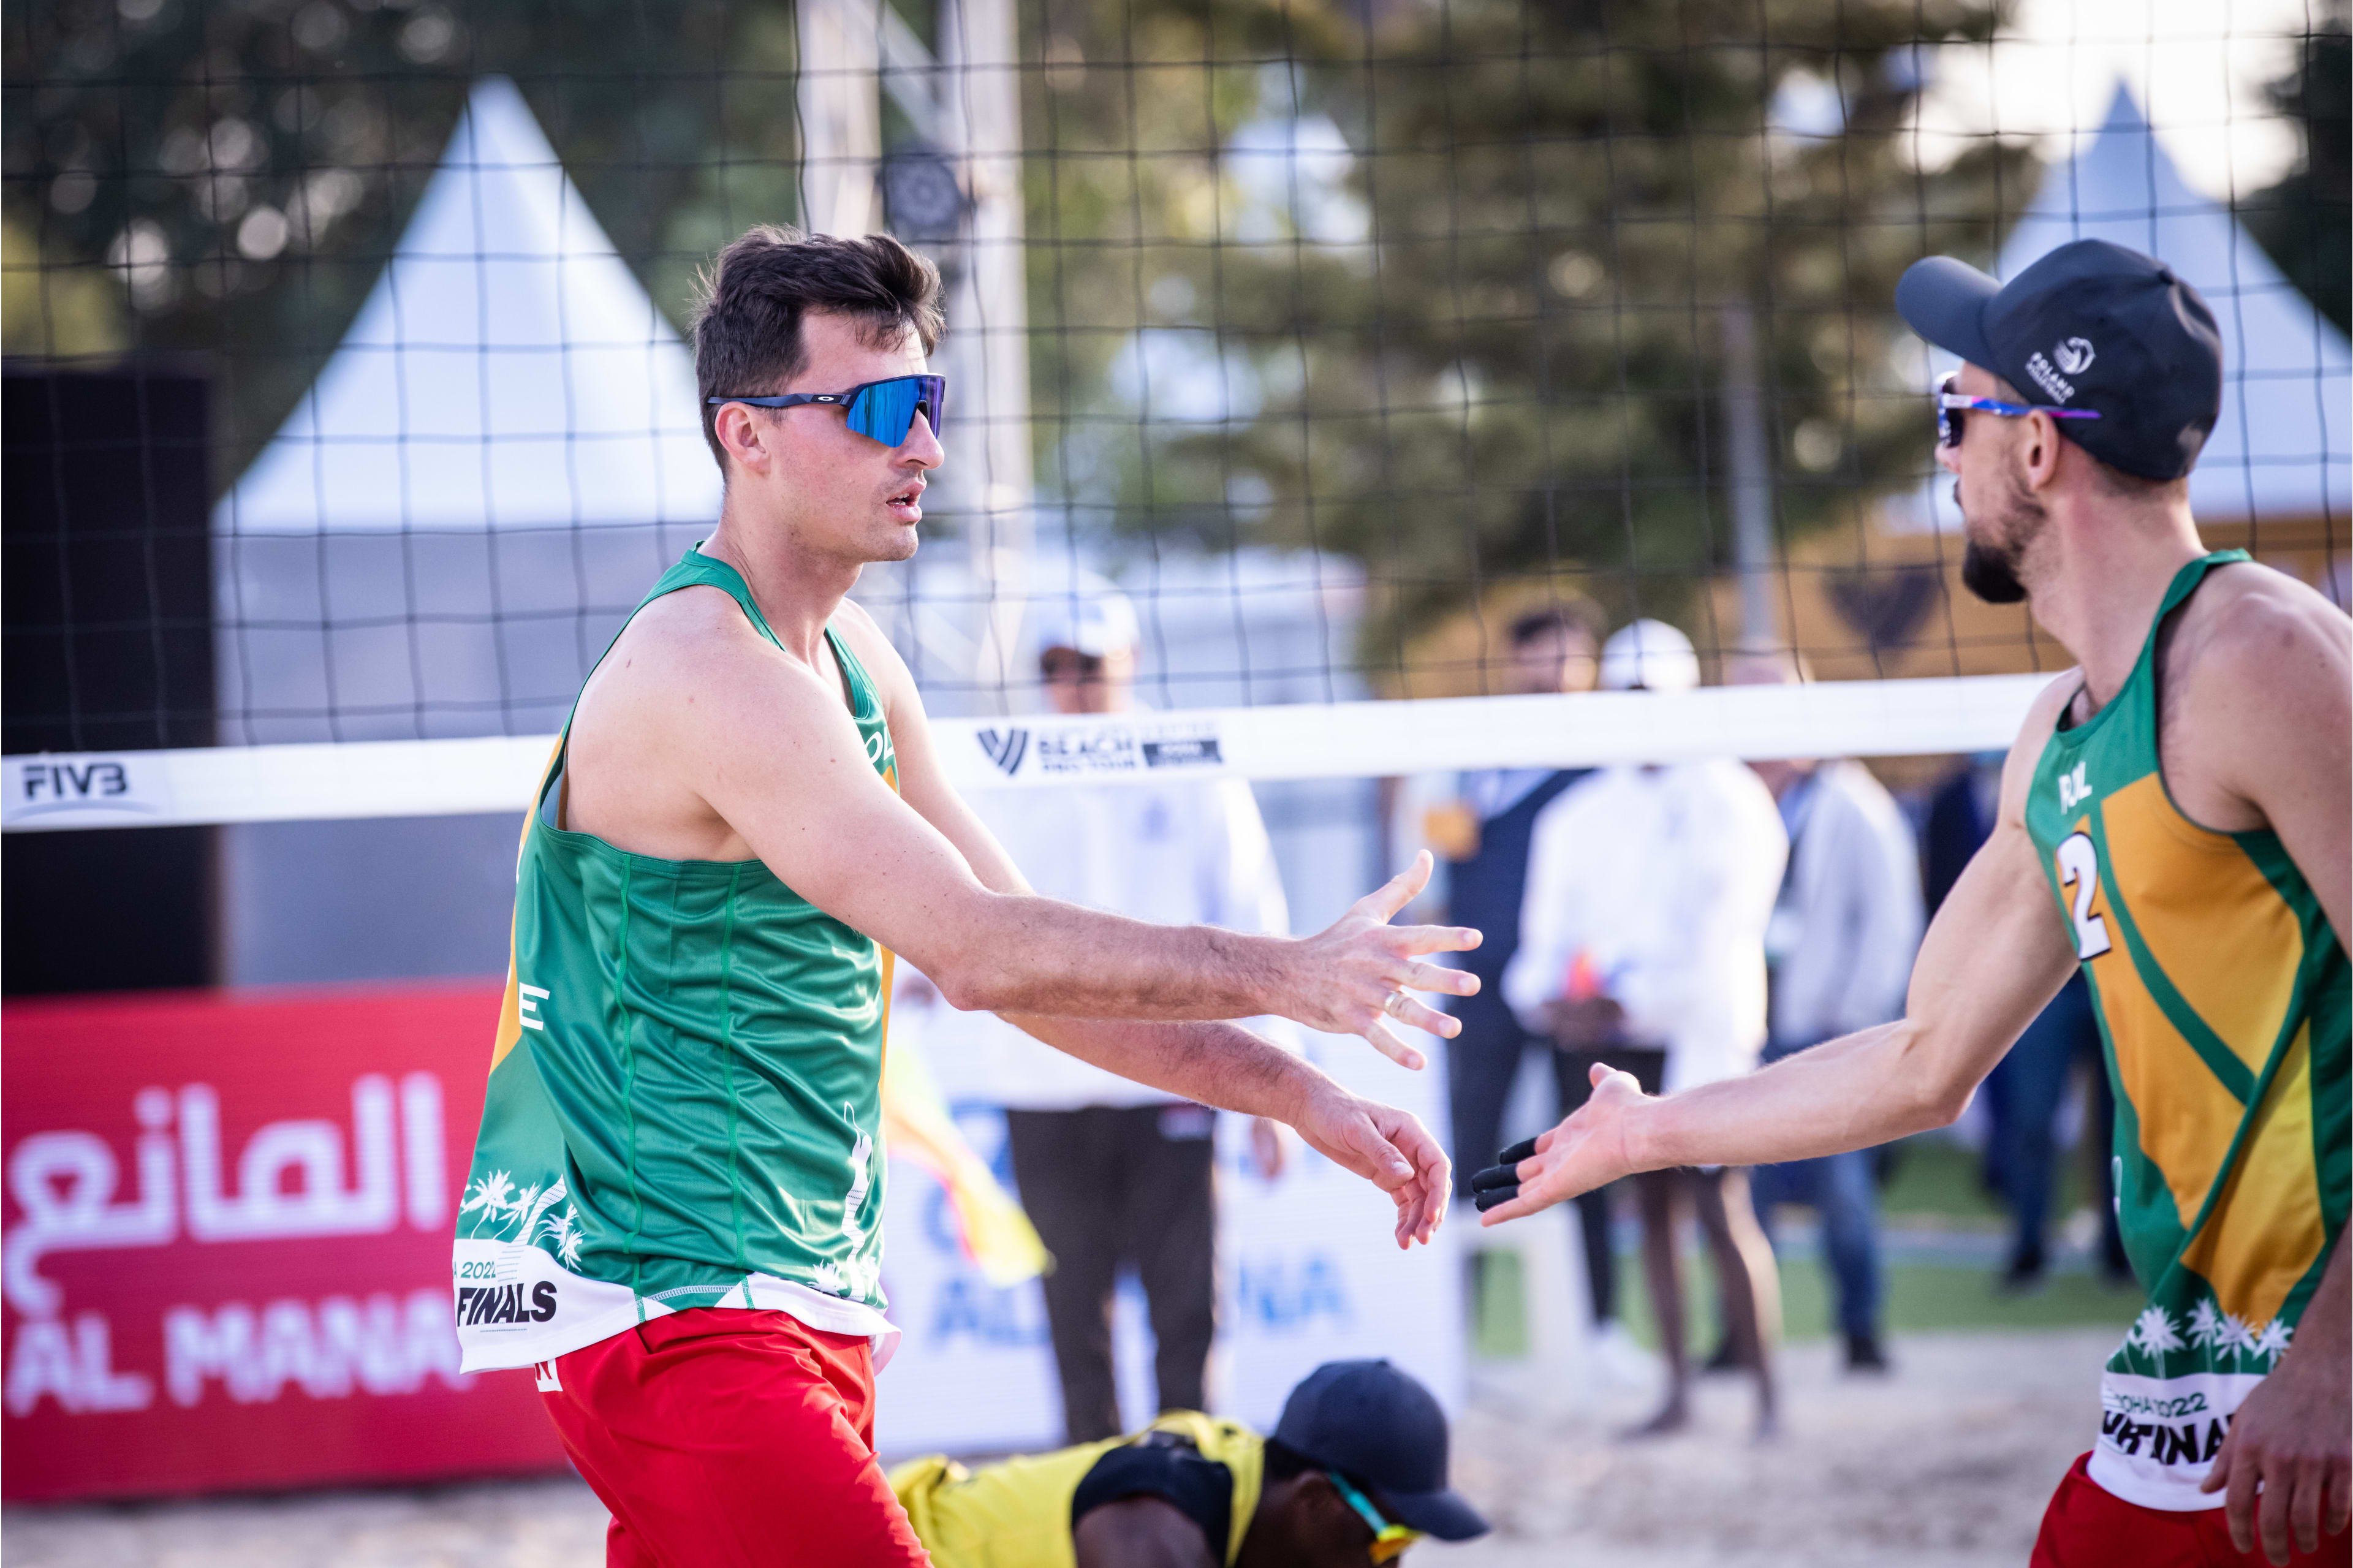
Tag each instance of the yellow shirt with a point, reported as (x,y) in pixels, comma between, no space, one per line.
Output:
(1017,1514)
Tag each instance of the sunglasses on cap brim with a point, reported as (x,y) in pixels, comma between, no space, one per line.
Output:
(1389,1540)
(880,411)
(1952,405)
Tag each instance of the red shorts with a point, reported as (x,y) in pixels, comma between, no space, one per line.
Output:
(723,1437)
(2088,1526)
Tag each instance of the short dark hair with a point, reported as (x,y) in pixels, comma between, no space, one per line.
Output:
(747,320)
(1561,617)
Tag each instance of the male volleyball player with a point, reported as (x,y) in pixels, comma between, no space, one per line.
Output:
(2175,818)
(676,1201)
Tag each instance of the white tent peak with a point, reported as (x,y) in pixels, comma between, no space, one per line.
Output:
(2283,445)
(507,371)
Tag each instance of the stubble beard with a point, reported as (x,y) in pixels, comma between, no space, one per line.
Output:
(1989,566)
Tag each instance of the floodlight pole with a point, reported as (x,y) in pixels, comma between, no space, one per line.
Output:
(841,115)
(966,100)
(1751,477)
(988,349)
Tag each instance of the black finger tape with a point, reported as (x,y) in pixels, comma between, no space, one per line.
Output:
(1492,1196)
(1495,1176)
(1526,1149)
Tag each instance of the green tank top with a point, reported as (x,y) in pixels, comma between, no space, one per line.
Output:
(2222,997)
(684,1106)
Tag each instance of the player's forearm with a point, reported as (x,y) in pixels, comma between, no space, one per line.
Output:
(1222,1065)
(1023,953)
(1865,1088)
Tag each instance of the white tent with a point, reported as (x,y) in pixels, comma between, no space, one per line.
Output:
(501,454)
(2283,445)
(501,458)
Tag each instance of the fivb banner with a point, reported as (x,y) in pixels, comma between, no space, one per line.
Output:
(226,1256)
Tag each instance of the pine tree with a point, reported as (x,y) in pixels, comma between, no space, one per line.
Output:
(2306,221)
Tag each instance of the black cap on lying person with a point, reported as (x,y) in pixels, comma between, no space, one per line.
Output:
(1374,1427)
(1354,1471)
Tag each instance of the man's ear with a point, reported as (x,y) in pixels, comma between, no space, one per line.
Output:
(2038,451)
(744,436)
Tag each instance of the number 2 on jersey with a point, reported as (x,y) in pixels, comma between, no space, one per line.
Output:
(2079,868)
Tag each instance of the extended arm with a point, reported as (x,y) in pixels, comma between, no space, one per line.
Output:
(1217,1064)
(778,757)
(1994,958)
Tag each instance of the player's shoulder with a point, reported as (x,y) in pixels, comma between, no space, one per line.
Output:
(2033,735)
(2042,715)
(698,619)
(693,638)
(2251,627)
(857,626)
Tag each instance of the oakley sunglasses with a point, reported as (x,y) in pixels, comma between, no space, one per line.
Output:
(880,411)
(1389,1541)
(1952,405)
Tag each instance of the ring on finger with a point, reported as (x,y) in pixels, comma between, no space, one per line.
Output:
(1394,1005)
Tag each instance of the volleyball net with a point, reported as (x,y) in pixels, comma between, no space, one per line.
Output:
(348,413)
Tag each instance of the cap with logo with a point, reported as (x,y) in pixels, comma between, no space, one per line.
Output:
(1382,1430)
(2094,326)
(1648,656)
(1093,619)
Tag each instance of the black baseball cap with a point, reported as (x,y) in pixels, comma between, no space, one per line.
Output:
(2090,325)
(1382,1430)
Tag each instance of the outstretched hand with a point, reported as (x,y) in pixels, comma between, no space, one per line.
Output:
(1356,972)
(1588,1150)
(1388,1148)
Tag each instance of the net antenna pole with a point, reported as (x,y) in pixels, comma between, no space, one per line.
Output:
(1750,472)
(987,348)
(841,115)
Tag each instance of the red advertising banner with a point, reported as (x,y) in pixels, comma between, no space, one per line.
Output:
(226,1260)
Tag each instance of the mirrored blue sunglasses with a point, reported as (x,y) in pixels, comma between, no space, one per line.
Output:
(880,411)
(1952,405)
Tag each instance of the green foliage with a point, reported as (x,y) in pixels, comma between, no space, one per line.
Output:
(1468,327)
(2306,221)
(1519,368)
(244,167)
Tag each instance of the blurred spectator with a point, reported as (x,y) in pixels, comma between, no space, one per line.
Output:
(2023,1093)
(1643,945)
(1840,950)
(1484,835)
(1114,1172)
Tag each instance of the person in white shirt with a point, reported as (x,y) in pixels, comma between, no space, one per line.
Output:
(1111,1172)
(1642,940)
(1844,931)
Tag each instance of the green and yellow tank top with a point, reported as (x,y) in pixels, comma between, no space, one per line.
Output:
(1017,1513)
(2222,999)
(684,1106)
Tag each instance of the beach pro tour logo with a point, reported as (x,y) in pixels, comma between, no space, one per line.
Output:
(2075,355)
(1006,748)
(1104,748)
